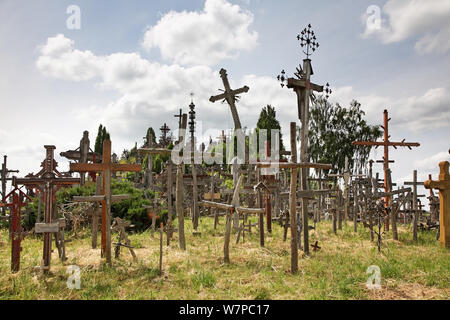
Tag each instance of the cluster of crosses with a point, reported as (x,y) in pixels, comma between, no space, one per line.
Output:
(272,189)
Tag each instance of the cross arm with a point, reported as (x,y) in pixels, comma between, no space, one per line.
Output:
(40,181)
(289,165)
(98,198)
(295,83)
(155,151)
(86,167)
(126,167)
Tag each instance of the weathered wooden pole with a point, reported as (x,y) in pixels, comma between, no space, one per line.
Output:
(95,212)
(226,246)
(443,185)
(160,247)
(293,201)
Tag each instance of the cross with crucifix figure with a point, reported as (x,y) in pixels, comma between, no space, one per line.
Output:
(180,118)
(17,203)
(82,154)
(303,87)
(106,167)
(386,143)
(48,180)
(165,140)
(231,97)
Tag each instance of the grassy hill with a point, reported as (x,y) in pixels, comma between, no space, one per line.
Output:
(337,271)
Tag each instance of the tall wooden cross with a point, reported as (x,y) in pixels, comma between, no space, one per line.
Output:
(49,180)
(106,167)
(230,96)
(443,185)
(82,154)
(303,87)
(16,204)
(180,118)
(386,143)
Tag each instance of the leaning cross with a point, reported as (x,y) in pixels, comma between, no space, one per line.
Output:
(106,167)
(443,185)
(48,181)
(231,96)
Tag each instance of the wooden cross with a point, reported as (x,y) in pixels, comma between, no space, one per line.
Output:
(48,180)
(106,167)
(386,143)
(294,166)
(164,140)
(303,88)
(180,118)
(82,154)
(17,203)
(443,185)
(231,96)
(119,225)
(414,185)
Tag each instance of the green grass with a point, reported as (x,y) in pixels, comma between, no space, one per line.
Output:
(338,271)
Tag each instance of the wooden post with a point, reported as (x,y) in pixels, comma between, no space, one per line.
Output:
(226,246)
(160,247)
(443,185)
(293,201)
(95,213)
(169,201)
(179,207)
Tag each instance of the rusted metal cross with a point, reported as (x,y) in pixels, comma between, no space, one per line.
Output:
(106,167)
(49,180)
(5,171)
(443,185)
(230,96)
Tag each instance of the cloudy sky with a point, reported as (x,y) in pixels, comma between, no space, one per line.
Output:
(133,64)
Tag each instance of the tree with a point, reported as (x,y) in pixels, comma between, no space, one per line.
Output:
(267,120)
(102,135)
(332,131)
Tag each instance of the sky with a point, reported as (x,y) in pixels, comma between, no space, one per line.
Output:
(130,65)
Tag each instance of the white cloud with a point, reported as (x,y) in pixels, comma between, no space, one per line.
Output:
(429,21)
(218,32)
(417,113)
(432,162)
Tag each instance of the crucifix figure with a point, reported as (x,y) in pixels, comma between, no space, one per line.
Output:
(106,167)
(230,96)
(386,143)
(49,180)
(303,87)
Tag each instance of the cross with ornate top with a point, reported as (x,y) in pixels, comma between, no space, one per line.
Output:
(443,185)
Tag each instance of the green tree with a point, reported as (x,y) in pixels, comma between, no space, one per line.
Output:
(332,129)
(268,120)
(102,135)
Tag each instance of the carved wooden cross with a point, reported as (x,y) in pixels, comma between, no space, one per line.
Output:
(164,139)
(106,167)
(231,96)
(443,185)
(17,203)
(48,181)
